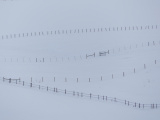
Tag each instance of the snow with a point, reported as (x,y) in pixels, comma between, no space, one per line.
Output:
(65,58)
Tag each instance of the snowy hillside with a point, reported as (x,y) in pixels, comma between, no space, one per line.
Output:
(79,60)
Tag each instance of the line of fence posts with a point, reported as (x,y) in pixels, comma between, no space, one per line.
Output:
(89,80)
(102,53)
(82,31)
(152,106)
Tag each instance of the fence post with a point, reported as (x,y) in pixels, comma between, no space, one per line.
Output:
(56,90)
(128,103)
(123,74)
(90,95)
(65,79)
(139,105)
(30,84)
(125,102)
(148,43)
(81,94)
(106,98)
(54,79)
(101,78)
(134,70)
(39,87)
(153,43)
(144,66)
(9,80)
(65,91)
(89,79)
(155,61)
(156,105)
(23,83)
(77,80)
(112,76)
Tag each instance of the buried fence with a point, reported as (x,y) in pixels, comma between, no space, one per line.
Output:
(76,58)
(82,95)
(80,31)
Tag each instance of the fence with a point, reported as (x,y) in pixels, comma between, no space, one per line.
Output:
(79,31)
(80,57)
(82,95)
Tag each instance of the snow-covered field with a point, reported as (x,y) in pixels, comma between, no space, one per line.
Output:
(58,43)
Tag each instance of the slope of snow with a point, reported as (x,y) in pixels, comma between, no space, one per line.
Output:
(129,72)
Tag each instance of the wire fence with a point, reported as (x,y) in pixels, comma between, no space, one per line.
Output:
(81,94)
(80,31)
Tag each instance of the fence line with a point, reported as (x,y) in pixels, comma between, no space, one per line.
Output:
(80,31)
(81,94)
(74,58)
(101,78)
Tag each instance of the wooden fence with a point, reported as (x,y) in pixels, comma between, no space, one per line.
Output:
(82,95)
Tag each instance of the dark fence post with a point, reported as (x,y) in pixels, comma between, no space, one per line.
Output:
(90,95)
(23,83)
(9,80)
(47,88)
(30,84)
(134,70)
